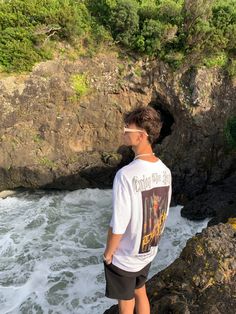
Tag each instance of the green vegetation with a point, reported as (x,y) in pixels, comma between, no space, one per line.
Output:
(231,67)
(37,139)
(28,29)
(189,32)
(138,71)
(44,161)
(230,132)
(216,61)
(79,83)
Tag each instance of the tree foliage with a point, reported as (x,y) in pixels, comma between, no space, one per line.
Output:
(26,26)
(124,21)
(192,31)
(178,31)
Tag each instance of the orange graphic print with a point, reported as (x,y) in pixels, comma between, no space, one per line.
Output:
(155,203)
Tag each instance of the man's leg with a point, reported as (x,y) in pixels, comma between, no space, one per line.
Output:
(126,306)
(142,305)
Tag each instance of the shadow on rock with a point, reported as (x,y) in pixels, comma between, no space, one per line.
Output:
(214,202)
(90,170)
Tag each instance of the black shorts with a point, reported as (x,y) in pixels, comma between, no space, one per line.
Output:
(120,284)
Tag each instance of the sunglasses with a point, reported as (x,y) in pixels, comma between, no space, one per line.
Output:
(127,130)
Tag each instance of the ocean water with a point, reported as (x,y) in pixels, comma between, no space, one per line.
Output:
(51,247)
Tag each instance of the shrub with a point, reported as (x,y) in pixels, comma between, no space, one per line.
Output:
(174,59)
(17,52)
(124,21)
(152,33)
(101,9)
(219,60)
(200,31)
(79,84)
(169,11)
(27,26)
(148,10)
(72,17)
(231,67)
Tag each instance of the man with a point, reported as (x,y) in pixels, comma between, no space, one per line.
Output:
(141,200)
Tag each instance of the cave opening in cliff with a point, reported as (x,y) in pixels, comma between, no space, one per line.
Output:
(166,117)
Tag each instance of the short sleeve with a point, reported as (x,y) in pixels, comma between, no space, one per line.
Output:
(170,192)
(121,203)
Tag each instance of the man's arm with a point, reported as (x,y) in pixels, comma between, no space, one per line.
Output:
(113,241)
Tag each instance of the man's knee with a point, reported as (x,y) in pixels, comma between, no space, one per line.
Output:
(126,306)
(140,292)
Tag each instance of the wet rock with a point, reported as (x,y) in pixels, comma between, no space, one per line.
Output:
(202,280)
(113,310)
(218,201)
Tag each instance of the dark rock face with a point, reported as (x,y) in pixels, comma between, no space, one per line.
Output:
(196,150)
(202,280)
(218,200)
(53,137)
(225,214)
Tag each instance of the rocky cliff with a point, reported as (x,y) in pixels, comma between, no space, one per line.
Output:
(61,125)
(201,281)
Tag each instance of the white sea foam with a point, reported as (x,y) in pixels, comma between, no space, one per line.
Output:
(51,246)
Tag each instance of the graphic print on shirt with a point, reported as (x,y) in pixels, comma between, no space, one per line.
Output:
(155,202)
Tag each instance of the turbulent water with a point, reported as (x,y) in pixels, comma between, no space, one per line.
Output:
(51,246)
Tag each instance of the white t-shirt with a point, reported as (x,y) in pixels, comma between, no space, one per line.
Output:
(141,200)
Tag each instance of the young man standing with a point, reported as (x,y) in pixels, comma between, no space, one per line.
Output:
(141,200)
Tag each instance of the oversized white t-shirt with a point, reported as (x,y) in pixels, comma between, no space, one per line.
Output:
(141,200)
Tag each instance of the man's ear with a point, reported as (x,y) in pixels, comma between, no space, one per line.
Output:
(142,136)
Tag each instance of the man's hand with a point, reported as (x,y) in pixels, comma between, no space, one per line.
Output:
(107,259)
(113,241)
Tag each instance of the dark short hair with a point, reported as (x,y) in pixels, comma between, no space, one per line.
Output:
(146,118)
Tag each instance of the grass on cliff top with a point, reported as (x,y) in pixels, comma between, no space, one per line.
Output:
(180,32)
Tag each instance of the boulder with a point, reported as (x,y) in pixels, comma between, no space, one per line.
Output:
(202,280)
